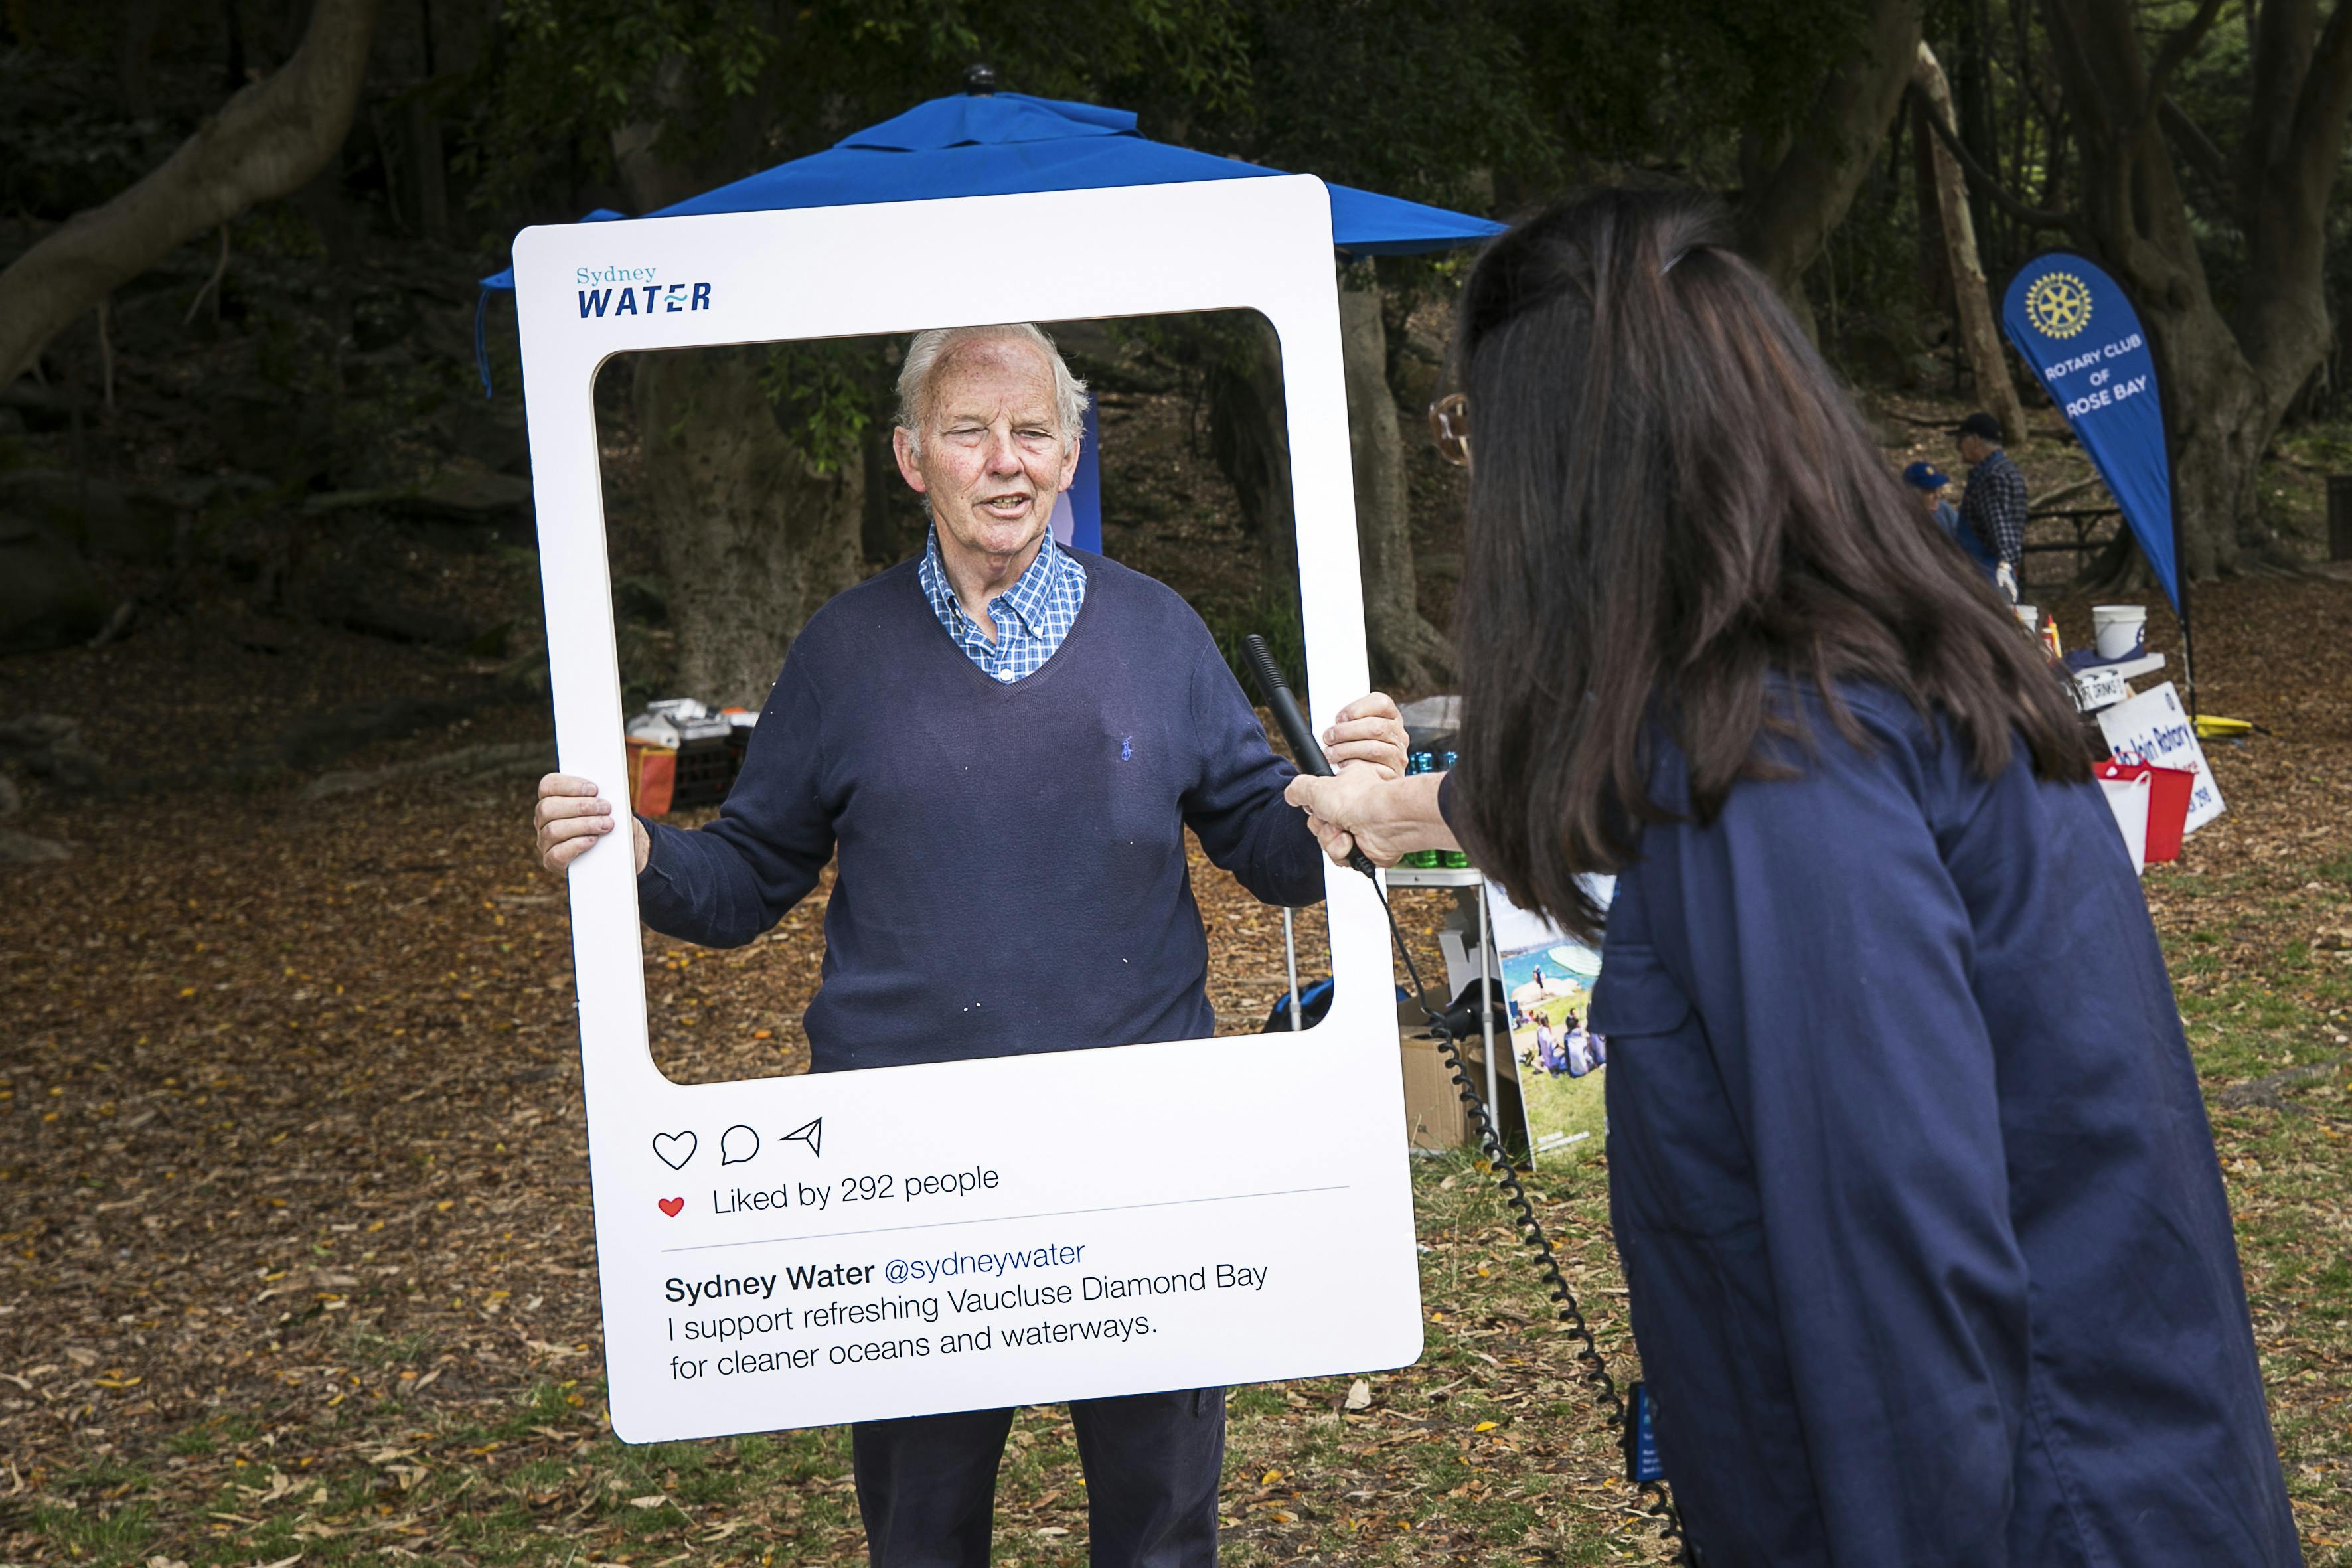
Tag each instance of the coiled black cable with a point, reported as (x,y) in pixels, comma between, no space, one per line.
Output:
(1657,1499)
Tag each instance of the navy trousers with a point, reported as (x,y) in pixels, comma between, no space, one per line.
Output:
(926,1484)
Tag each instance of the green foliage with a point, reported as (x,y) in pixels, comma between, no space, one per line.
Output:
(725,86)
(826,394)
(1683,87)
(572,72)
(62,146)
(1274,616)
(1417,98)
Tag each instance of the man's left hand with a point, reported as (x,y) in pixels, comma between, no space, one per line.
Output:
(1369,731)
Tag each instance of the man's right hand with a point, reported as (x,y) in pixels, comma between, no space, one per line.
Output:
(569,819)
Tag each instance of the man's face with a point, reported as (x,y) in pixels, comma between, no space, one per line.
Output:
(992,458)
(1928,498)
(1972,450)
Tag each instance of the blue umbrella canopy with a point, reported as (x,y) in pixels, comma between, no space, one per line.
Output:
(993,144)
(987,145)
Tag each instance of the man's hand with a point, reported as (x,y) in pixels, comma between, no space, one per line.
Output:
(2006,581)
(1359,809)
(1369,730)
(569,819)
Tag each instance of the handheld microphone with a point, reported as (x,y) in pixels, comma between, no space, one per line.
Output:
(1303,744)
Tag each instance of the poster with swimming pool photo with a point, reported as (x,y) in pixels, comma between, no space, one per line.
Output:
(1546,981)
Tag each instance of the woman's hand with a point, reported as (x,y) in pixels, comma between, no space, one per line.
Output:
(1369,730)
(569,819)
(1358,808)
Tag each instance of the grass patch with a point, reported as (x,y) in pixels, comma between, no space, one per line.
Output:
(1489,1452)
(103,1537)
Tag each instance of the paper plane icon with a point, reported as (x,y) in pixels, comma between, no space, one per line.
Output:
(811,1134)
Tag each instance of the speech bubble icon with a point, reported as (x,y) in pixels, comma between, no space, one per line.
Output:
(736,1144)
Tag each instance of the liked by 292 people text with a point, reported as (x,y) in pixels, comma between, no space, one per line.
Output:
(856,1307)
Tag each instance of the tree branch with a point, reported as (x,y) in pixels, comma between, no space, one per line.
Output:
(2174,55)
(1787,213)
(2188,139)
(2324,102)
(1986,180)
(268,140)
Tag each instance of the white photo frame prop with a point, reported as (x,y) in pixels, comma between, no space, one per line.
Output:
(801,1251)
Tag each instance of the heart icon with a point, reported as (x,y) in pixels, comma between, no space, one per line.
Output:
(674,1148)
(669,1207)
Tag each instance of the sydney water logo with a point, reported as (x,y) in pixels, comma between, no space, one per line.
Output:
(637,293)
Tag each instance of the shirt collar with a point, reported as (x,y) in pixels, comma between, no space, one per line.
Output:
(1028,598)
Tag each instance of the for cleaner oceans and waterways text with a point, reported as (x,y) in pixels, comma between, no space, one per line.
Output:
(734,1324)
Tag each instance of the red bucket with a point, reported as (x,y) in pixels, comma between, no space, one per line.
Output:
(2167,804)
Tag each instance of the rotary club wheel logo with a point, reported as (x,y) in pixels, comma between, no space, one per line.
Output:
(2059,305)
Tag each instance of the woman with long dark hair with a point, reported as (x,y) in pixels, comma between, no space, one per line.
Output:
(1929,1253)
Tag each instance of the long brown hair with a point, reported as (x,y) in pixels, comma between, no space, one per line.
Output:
(1678,520)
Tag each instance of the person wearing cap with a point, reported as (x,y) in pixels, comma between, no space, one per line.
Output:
(1995,505)
(1931,482)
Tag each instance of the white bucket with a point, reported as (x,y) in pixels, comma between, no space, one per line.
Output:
(2120,630)
(2029,616)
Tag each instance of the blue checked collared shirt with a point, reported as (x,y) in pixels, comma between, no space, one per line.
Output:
(1031,616)
(1996,505)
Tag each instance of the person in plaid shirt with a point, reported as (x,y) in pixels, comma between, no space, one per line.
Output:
(1994,508)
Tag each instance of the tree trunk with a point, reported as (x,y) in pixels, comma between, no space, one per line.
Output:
(2220,421)
(752,538)
(428,165)
(1934,270)
(651,179)
(1407,653)
(1249,439)
(138,45)
(270,140)
(1787,213)
(2227,384)
(1972,301)
(1973,116)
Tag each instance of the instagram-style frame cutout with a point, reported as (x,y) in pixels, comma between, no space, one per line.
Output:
(805,1250)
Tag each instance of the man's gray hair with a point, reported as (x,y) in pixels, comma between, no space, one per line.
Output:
(924,355)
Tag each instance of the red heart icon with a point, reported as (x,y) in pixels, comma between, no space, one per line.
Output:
(669,1207)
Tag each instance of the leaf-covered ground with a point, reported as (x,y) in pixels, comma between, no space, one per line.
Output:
(292,1185)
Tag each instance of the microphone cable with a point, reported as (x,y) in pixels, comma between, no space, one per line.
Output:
(1657,1499)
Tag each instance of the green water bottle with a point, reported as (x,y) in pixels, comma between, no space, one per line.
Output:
(1422,763)
(1457,859)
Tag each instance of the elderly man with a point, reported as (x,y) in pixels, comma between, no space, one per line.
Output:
(1002,741)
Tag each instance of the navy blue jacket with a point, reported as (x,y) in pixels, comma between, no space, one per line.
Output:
(1929,1253)
(1013,873)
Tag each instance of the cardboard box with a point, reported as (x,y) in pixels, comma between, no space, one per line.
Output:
(1434,1116)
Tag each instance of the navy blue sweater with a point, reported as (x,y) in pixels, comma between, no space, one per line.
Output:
(1012,873)
(1929,1257)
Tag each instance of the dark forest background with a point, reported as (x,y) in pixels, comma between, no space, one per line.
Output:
(237,327)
